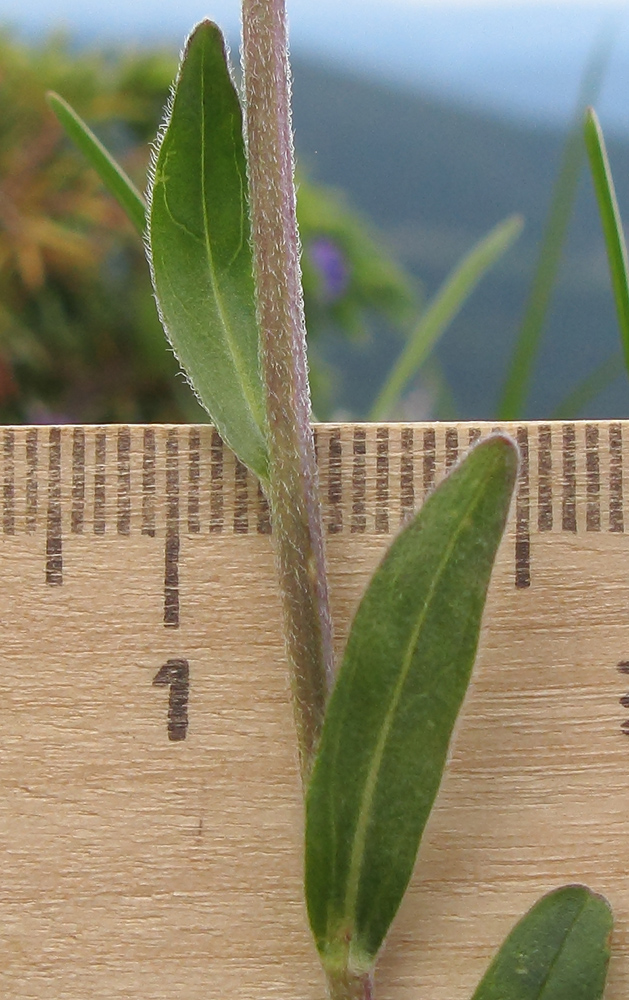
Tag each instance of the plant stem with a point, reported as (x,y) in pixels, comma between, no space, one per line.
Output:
(347,985)
(293,492)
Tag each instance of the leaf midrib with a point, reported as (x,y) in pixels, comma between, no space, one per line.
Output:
(547,978)
(360,837)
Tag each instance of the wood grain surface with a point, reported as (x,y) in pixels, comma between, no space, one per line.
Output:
(153,852)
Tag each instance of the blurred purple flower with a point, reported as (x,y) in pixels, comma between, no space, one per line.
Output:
(330,262)
(39,413)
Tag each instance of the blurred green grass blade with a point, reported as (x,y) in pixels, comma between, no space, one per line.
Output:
(588,389)
(448,301)
(611,223)
(441,404)
(558,951)
(111,173)
(200,251)
(516,386)
(389,722)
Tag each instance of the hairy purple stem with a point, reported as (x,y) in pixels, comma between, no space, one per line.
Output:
(293,493)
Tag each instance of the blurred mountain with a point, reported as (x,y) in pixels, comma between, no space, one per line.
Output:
(436,172)
(435,177)
(519,59)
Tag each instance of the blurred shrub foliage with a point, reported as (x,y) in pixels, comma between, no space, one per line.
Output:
(79,336)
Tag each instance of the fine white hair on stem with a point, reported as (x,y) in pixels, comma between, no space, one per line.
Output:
(294,499)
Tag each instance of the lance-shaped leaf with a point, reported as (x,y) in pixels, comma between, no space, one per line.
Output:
(558,951)
(389,722)
(199,247)
(118,183)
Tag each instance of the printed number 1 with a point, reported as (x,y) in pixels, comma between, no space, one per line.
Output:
(175,674)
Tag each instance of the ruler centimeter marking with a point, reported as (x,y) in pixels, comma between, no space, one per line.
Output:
(135,561)
(405,462)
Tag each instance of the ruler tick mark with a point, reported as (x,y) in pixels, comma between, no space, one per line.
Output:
(452,447)
(358,522)
(194,480)
(54,553)
(31,480)
(241,499)
(407,468)
(366,460)
(264,513)
(77,514)
(593,480)
(171,554)
(335,483)
(216,483)
(123,523)
(616,514)
(8,488)
(623,668)
(382,480)
(100,482)
(569,484)
(148,483)
(522,515)
(430,456)
(545,472)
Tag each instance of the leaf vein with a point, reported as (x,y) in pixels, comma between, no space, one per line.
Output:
(360,836)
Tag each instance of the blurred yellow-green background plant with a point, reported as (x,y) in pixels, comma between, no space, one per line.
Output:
(80,340)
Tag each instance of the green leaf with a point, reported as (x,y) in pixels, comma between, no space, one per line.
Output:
(448,301)
(516,386)
(611,223)
(558,951)
(589,388)
(199,247)
(117,182)
(390,718)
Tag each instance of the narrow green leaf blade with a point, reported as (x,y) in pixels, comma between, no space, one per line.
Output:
(390,718)
(448,301)
(611,223)
(558,951)
(199,246)
(520,372)
(117,182)
(572,405)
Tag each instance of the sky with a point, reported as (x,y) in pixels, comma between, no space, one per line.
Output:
(123,14)
(523,59)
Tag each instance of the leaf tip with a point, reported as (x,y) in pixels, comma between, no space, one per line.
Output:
(204,28)
(56,103)
(559,948)
(590,117)
(503,445)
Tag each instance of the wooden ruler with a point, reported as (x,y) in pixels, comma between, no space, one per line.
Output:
(150,813)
